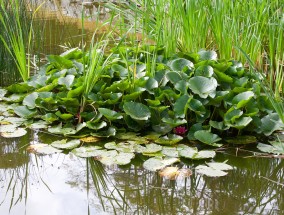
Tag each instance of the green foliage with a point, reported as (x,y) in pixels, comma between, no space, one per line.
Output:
(180,99)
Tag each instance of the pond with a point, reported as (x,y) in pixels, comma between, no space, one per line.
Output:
(65,184)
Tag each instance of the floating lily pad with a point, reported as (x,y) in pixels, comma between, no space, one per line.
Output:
(276,147)
(64,144)
(42,149)
(170,151)
(87,151)
(24,112)
(202,86)
(137,111)
(18,132)
(38,125)
(110,114)
(8,128)
(29,100)
(209,171)
(2,93)
(207,137)
(170,139)
(152,148)
(154,164)
(14,120)
(214,169)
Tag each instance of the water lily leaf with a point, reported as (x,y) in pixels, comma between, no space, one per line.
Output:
(172,173)
(124,158)
(75,92)
(193,129)
(242,98)
(64,144)
(232,114)
(245,139)
(169,139)
(110,145)
(110,114)
(163,128)
(170,152)
(49,117)
(205,71)
(182,86)
(270,123)
(137,111)
(123,72)
(152,148)
(19,88)
(64,116)
(18,132)
(66,81)
(218,125)
(24,112)
(8,128)
(204,154)
(14,98)
(181,105)
(220,166)
(96,125)
(107,157)
(222,77)
(38,125)
(174,122)
(154,164)
(197,107)
(207,55)
(241,122)
(87,151)
(14,120)
(151,84)
(276,147)
(42,149)
(180,64)
(29,100)
(188,152)
(207,137)
(174,77)
(209,171)
(2,93)
(202,86)
(111,131)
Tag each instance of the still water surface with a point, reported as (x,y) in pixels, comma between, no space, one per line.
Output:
(65,184)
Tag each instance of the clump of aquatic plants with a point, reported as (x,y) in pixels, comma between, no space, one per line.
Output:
(187,96)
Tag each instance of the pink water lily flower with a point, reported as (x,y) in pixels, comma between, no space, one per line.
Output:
(180,130)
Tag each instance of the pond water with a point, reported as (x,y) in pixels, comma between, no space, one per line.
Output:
(65,184)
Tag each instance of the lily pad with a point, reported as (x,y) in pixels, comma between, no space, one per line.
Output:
(64,144)
(29,100)
(110,114)
(42,149)
(214,169)
(18,132)
(169,139)
(207,137)
(170,151)
(202,86)
(38,125)
(8,128)
(24,112)
(276,147)
(154,164)
(137,111)
(87,151)
(207,55)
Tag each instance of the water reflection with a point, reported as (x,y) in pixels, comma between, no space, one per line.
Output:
(65,184)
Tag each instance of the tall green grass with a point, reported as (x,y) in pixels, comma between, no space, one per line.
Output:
(189,25)
(17,33)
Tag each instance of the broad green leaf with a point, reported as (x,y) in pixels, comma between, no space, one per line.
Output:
(209,171)
(49,117)
(196,106)
(270,123)
(38,125)
(19,88)
(14,98)
(242,98)
(204,70)
(154,164)
(222,77)
(232,114)
(29,100)
(152,148)
(204,154)
(241,122)
(181,86)
(220,166)
(87,151)
(207,55)
(111,131)
(170,151)
(202,86)
(64,116)
(75,92)
(124,158)
(64,144)
(42,149)
(218,125)
(174,122)
(18,132)
(188,152)
(181,105)
(137,111)
(96,125)
(24,112)
(207,137)
(180,64)
(66,81)
(8,128)
(174,77)
(169,139)
(110,114)
(276,147)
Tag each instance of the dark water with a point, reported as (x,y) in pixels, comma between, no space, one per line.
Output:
(65,184)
